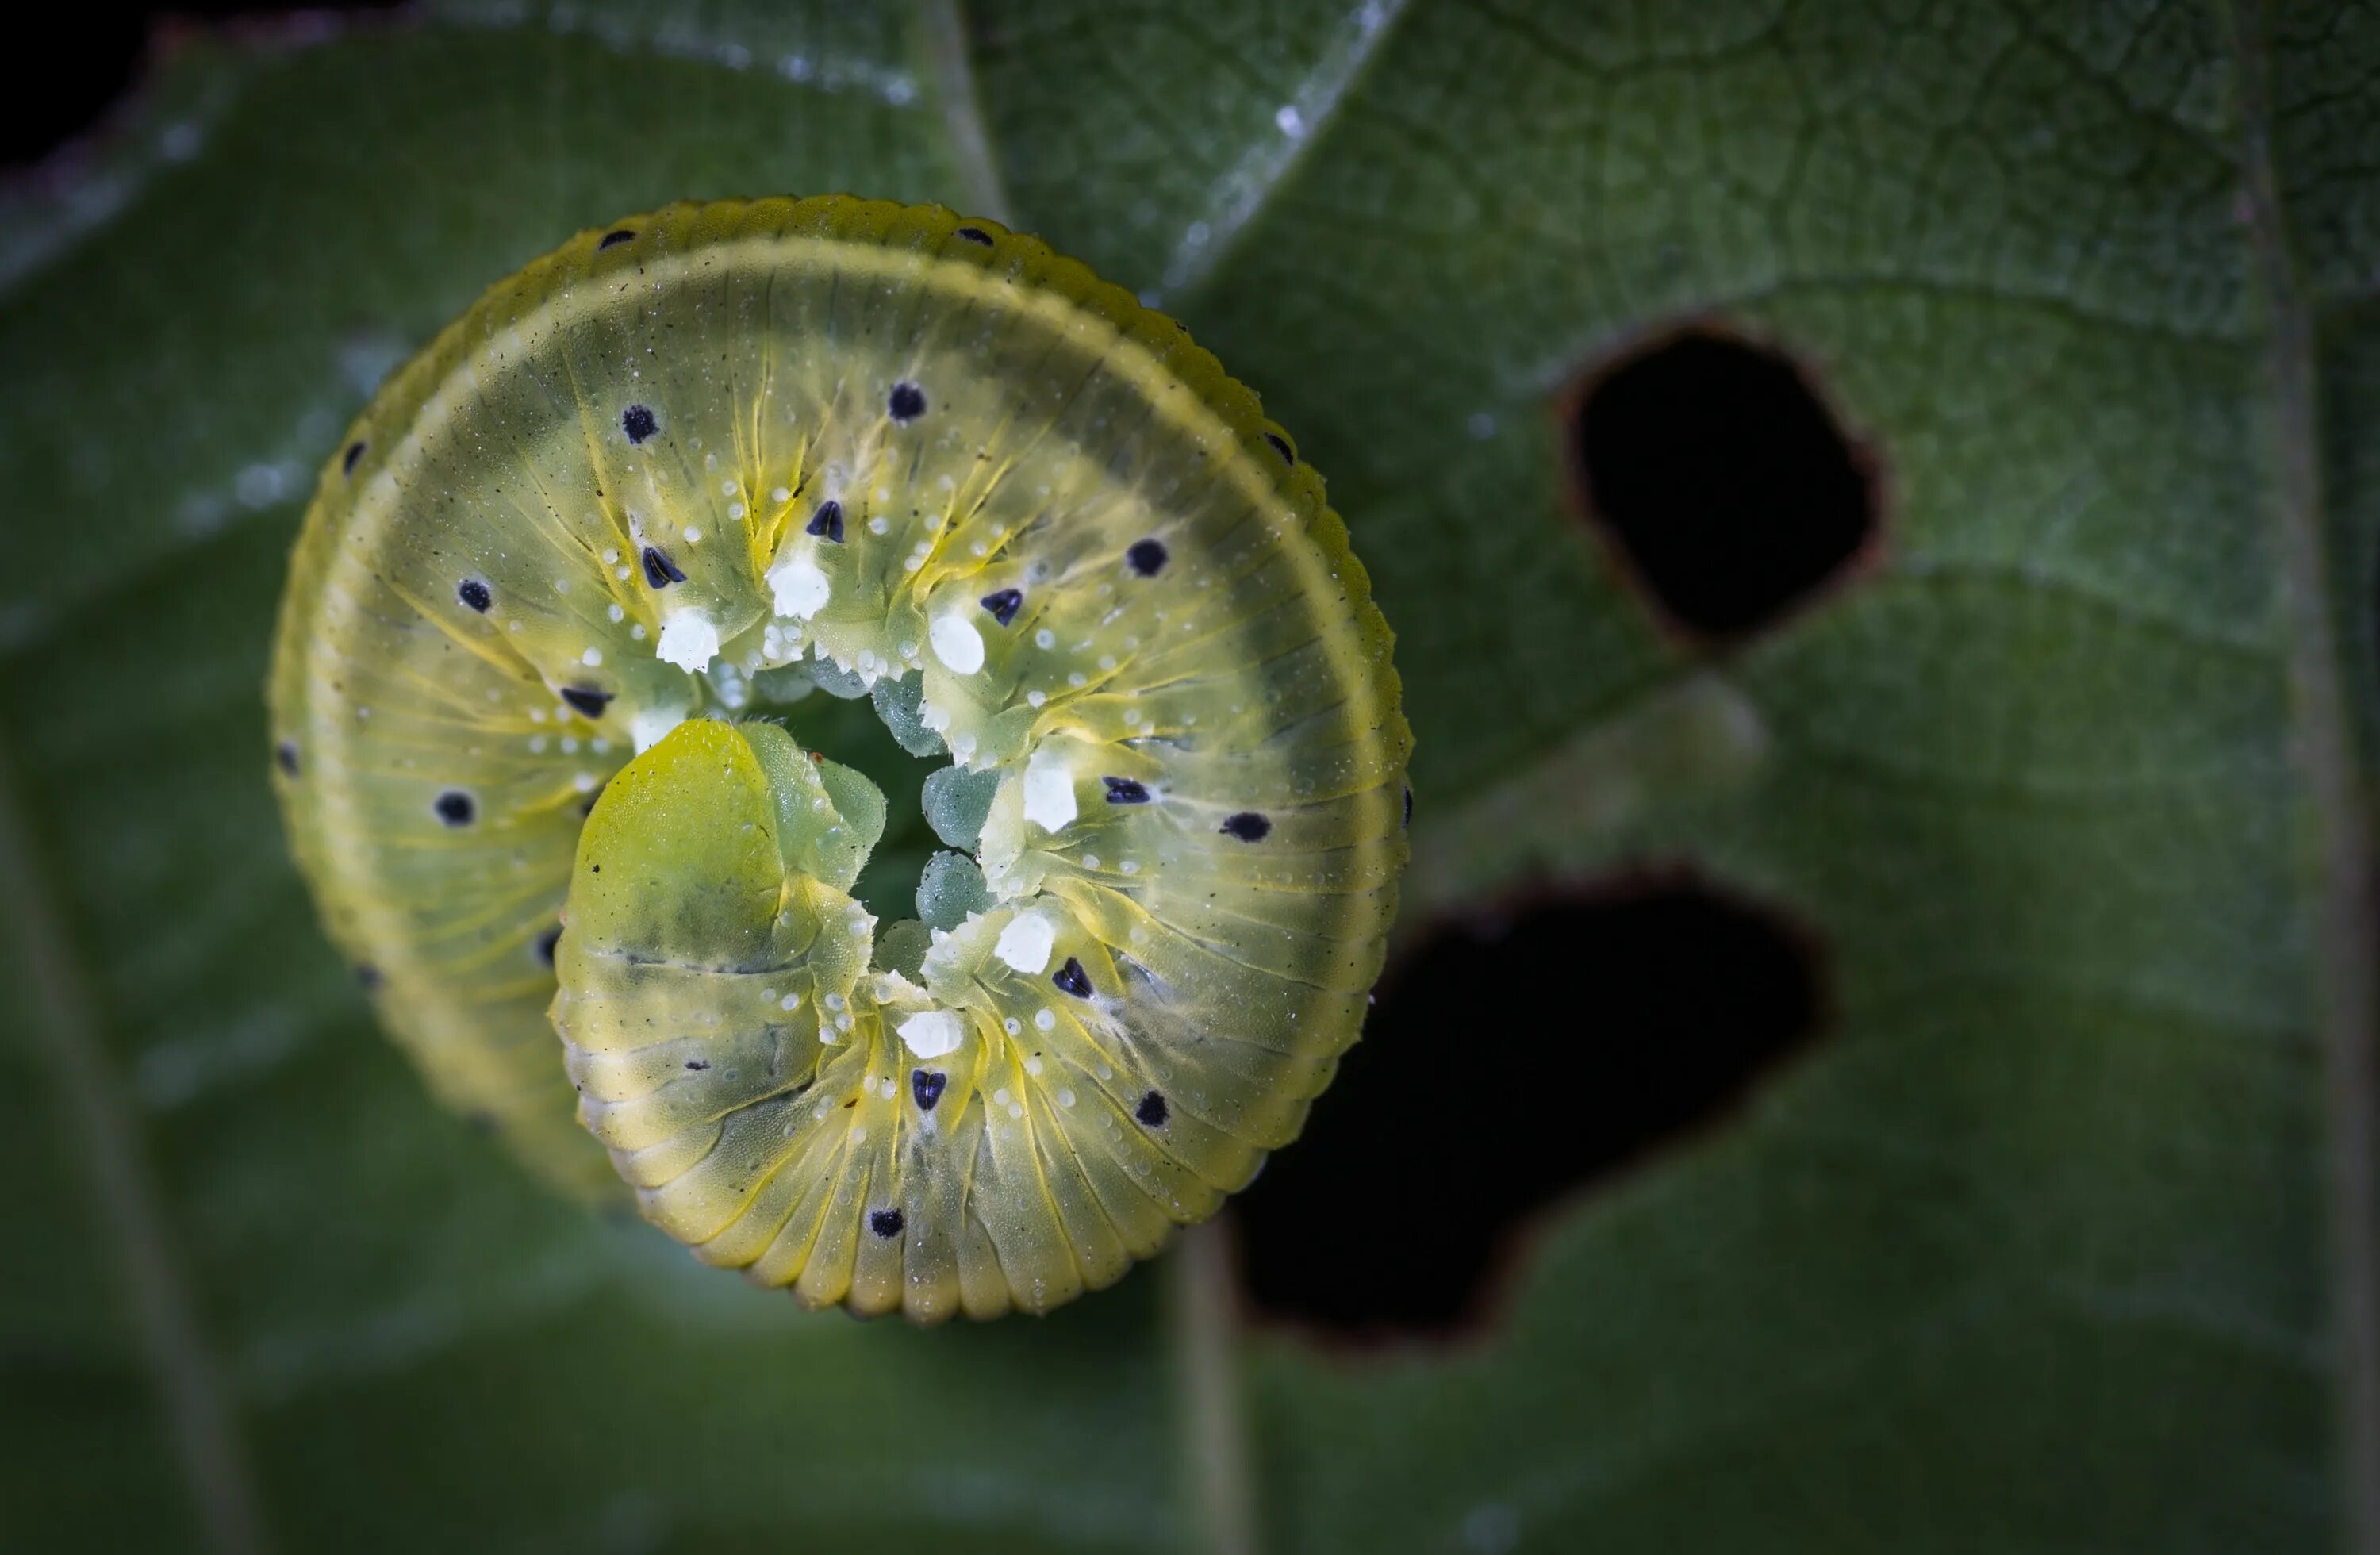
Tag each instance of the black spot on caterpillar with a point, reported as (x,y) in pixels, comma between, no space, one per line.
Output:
(1248,826)
(659,571)
(706,865)
(355,452)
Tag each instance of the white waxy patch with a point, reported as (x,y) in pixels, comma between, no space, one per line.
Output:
(1049,790)
(932,1033)
(957,643)
(1025,943)
(650,724)
(689,640)
(801,588)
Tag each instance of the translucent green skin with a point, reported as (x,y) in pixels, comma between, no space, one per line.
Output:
(1192,851)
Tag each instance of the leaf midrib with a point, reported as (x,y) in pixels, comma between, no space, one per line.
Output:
(2348,922)
(200,1421)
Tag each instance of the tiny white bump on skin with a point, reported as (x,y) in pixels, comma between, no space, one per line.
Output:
(801,588)
(932,1033)
(1066,1096)
(790,1001)
(877,525)
(650,724)
(834,1000)
(859,1135)
(612,558)
(694,531)
(537,715)
(537,745)
(1012,1026)
(1025,943)
(618,613)
(1049,790)
(727,488)
(599,745)
(1034,698)
(1045,637)
(1032,1064)
(570,748)
(1043,1020)
(591,658)
(637,631)
(689,640)
(782,493)
(584,782)
(957,643)
(842,1023)
(1015,1109)
(999,1097)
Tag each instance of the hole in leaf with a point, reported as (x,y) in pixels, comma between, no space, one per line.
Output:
(1505,1067)
(1723,480)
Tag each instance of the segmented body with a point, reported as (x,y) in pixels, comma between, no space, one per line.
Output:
(697,453)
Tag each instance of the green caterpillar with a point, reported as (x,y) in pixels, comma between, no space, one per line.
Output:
(682,471)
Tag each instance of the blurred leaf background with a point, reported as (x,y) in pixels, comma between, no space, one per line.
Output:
(2055,1238)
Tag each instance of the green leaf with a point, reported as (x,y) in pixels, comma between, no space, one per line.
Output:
(2064,1237)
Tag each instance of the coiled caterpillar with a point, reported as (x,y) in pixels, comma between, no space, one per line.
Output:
(686,470)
